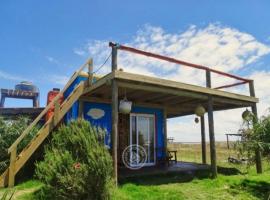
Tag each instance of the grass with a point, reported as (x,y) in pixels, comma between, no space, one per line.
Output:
(24,191)
(224,187)
(234,182)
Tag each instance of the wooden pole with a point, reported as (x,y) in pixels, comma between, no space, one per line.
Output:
(90,71)
(203,140)
(228,144)
(11,171)
(258,156)
(114,114)
(81,107)
(211,128)
(165,129)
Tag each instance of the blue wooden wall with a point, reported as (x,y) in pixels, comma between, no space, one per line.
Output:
(102,117)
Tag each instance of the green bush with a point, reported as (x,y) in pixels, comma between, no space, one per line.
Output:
(255,136)
(76,165)
(9,132)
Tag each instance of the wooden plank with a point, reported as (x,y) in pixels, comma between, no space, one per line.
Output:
(178,85)
(11,171)
(4,178)
(33,145)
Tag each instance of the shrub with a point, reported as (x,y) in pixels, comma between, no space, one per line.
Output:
(255,136)
(9,132)
(76,164)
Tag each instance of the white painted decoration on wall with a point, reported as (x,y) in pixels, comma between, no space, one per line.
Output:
(96,113)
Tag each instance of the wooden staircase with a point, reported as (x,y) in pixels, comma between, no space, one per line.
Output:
(18,161)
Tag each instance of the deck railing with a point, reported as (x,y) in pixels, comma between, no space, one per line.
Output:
(207,70)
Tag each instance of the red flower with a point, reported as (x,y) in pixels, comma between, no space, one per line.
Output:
(77,165)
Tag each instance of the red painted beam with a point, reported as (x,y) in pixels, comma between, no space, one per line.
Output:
(231,85)
(172,60)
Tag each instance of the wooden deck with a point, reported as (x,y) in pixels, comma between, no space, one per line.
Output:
(179,99)
(187,167)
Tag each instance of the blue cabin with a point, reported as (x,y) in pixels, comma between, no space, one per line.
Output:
(143,126)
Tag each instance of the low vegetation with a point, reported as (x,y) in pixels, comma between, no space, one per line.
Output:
(9,132)
(235,181)
(76,165)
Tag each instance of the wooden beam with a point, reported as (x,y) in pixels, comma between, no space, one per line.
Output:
(203,141)
(211,128)
(258,156)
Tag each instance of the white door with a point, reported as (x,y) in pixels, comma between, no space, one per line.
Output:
(142,133)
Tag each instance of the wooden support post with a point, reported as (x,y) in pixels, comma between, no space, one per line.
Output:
(258,156)
(203,140)
(114,115)
(90,71)
(81,107)
(11,171)
(165,129)
(211,128)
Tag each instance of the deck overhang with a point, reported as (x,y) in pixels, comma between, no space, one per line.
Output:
(179,99)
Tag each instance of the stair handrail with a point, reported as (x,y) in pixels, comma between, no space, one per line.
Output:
(89,64)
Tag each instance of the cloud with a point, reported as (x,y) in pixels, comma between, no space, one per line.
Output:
(79,52)
(58,79)
(12,77)
(52,60)
(220,47)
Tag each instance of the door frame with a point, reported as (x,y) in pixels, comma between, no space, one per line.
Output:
(137,135)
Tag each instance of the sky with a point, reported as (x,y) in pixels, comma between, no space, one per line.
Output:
(46,41)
